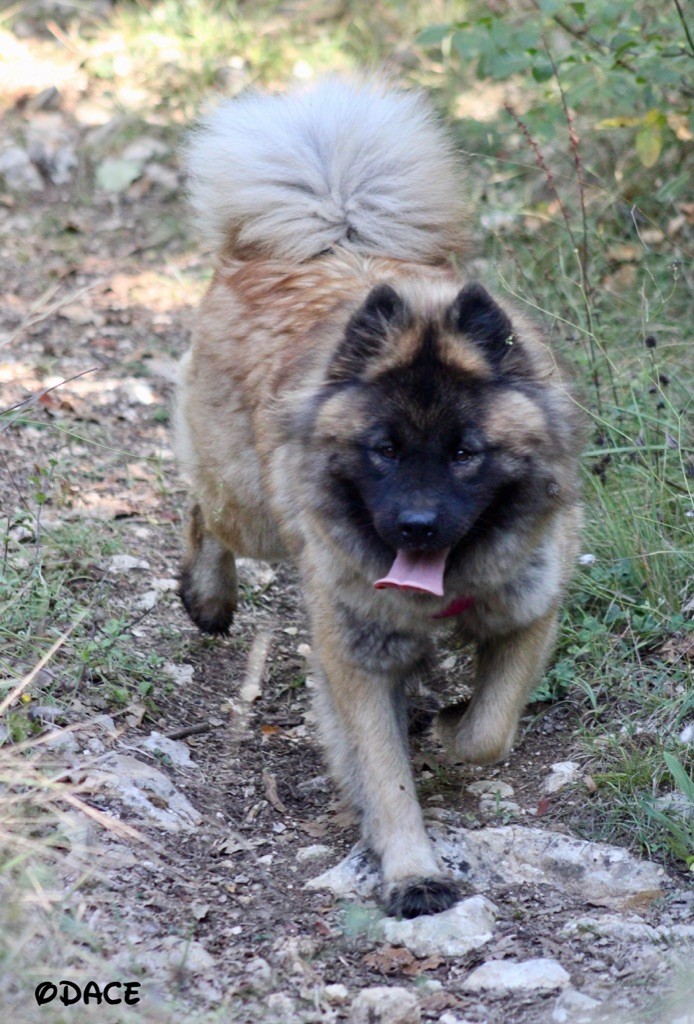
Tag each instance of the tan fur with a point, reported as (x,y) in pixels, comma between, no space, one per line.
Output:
(266,333)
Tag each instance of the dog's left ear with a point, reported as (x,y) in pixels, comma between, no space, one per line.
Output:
(366,332)
(475,314)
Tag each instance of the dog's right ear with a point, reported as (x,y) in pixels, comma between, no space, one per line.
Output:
(368,328)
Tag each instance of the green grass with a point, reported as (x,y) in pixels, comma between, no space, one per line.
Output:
(53,584)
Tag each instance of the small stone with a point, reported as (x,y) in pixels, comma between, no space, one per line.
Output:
(676,804)
(540,974)
(18,171)
(199,910)
(490,787)
(177,956)
(336,994)
(382,1004)
(491,806)
(62,740)
(165,584)
(314,852)
(126,563)
(573,1007)
(177,752)
(687,734)
(258,975)
(466,926)
(257,575)
(563,773)
(145,790)
(106,724)
(181,674)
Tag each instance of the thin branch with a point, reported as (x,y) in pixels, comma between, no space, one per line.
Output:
(685,26)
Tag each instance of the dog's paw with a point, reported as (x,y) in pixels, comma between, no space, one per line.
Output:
(470,738)
(421,896)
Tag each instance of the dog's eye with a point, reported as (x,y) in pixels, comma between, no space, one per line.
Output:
(463,455)
(386,451)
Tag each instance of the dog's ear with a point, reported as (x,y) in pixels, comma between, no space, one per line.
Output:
(382,310)
(475,314)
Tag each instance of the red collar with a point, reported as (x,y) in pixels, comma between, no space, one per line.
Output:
(456,607)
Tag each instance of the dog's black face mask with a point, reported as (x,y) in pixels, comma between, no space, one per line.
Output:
(413,470)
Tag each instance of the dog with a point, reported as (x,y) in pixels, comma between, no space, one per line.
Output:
(352,402)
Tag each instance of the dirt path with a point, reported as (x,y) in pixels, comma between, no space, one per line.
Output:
(209,909)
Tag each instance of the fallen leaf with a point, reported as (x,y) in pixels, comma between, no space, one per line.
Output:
(313,828)
(678,647)
(389,960)
(624,252)
(270,784)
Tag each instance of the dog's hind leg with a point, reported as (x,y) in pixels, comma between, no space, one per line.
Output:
(209,586)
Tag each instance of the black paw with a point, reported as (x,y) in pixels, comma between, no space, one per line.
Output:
(209,616)
(425,896)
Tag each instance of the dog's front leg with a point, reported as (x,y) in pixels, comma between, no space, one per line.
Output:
(482,730)
(363,722)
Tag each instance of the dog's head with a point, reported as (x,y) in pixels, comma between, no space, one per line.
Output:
(440,424)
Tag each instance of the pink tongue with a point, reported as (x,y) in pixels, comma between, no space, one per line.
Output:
(416,570)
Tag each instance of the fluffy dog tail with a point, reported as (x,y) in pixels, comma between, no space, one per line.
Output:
(362,167)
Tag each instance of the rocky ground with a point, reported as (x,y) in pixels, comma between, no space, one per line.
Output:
(241,895)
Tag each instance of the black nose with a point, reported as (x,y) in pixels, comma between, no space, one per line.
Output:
(417,527)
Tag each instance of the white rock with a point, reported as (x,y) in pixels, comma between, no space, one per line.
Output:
(517,853)
(631,931)
(283,1005)
(178,752)
(18,171)
(587,559)
(165,583)
(336,993)
(492,807)
(105,723)
(382,1004)
(563,773)
(313,852)
(62,740)
(144,790)
(126,563)
(172,954)
(355,875)
(148,600)
(468,925)
(687,734)
(181,674)
(256,574)
(258,975)
(513,854)
(540,974)
(573,1007)
(145,148)
(490,787)
(676,804)
(137,391)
